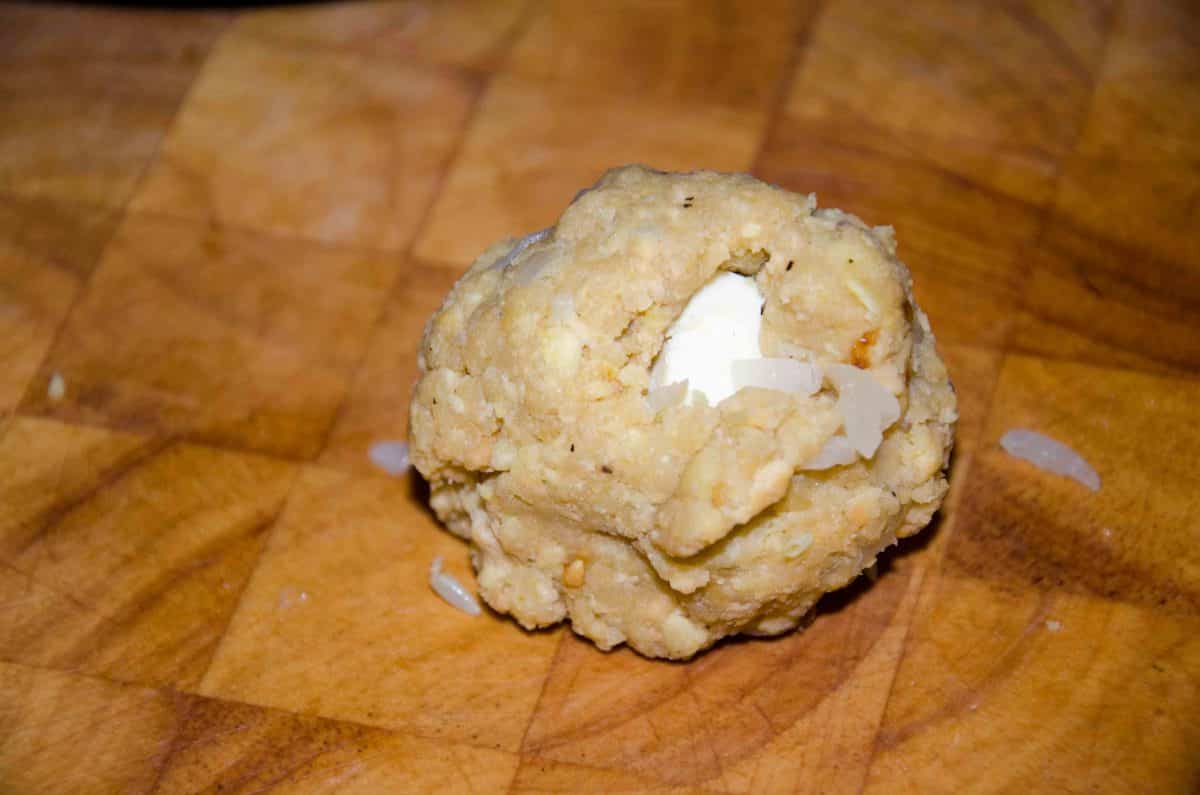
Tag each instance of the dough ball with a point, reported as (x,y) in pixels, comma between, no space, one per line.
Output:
(689,409)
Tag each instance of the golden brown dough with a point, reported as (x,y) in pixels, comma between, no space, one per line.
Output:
(670,529)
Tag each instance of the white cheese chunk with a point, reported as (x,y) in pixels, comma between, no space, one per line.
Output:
(719,326)
(713,349)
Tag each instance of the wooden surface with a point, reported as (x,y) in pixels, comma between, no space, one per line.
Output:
(225,230)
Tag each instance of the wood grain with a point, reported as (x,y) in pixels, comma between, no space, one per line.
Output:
(88,96)
(320,145)
(61,732)
(473,34)
(237,748)
(377,404)
(1135,541)
(532,147)
(47,250)
(349,563)
(232,337)
(1055,692)
(225,231)
(131,557)
(701,52)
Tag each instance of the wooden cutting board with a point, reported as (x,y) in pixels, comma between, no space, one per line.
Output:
(224,232)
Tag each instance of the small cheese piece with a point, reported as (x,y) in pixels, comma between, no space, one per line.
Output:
(1050,455)
(57,387)
(867,407)
(781,374)
(451,590)
(838,451)
(391,457)
(720,325)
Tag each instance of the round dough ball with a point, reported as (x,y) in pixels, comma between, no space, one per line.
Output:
(670,526)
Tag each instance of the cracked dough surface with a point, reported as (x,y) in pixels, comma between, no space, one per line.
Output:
(669,530)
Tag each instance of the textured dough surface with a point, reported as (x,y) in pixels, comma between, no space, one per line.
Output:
(669,530)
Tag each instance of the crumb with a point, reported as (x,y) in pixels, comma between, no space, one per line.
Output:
(573,573)
(57,388)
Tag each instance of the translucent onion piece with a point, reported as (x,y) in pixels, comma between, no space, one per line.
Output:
(391,457)
(837,452)
(784,375)
(867,407)
(664,397)
(527,270)
(451,590)
(520,246)
(1050,455)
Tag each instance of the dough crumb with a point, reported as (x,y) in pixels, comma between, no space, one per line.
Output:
(573,573)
